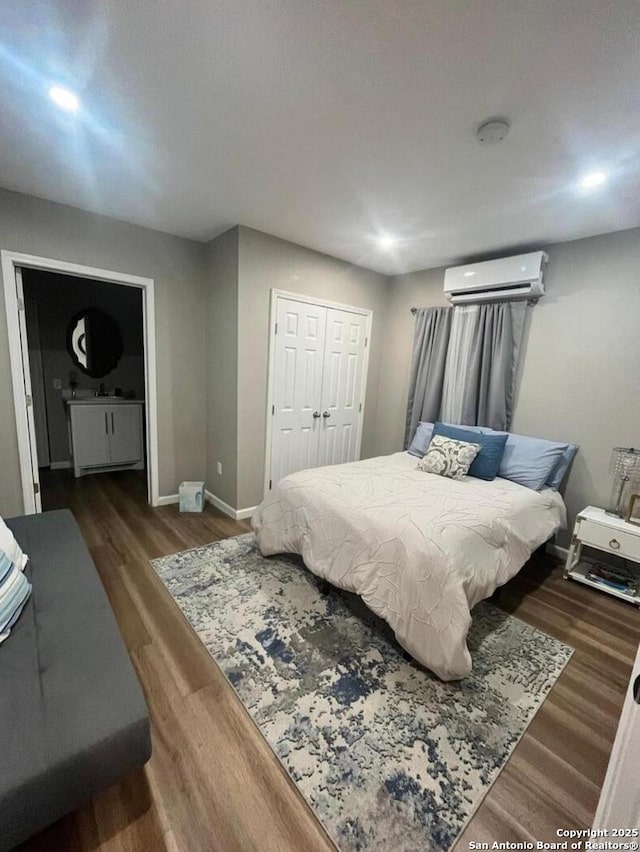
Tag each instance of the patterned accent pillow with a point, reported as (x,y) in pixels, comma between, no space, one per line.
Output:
(14,593)
(10,546)
(448,457)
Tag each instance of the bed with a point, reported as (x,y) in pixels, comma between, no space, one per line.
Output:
(419,549)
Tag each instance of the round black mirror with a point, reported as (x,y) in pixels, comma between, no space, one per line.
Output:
(94,342)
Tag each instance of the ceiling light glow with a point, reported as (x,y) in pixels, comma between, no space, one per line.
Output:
(64,98)
(386,241)
(592,180)
(469,274)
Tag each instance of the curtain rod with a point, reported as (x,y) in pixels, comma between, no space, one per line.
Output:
(530,303)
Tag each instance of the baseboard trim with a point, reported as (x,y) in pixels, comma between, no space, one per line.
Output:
(62,465)
(556,550)
(243,514)
(168,500)
(236,514)
(220,504)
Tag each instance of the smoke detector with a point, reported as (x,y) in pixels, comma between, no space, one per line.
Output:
(493,131)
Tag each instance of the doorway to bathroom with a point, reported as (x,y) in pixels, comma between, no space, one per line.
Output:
(83,369)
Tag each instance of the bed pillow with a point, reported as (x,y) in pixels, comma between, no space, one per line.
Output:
(14,593)
(448,457)
(560,471)
(530,461)
(487,463)
(10,546)
(424,433)
(475,429)
(421,439)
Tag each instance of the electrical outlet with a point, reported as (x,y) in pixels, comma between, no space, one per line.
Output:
(219,467)
(57,384)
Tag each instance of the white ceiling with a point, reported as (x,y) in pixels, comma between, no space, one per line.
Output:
(328,121)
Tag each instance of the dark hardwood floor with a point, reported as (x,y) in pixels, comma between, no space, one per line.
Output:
(214,784)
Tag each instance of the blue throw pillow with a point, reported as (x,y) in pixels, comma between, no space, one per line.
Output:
(474,429)
(423,434)
(530,461)
(421,439)
(487,463)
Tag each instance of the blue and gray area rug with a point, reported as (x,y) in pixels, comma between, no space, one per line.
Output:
(388,756)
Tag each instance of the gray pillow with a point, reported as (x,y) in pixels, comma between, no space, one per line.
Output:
(448,457)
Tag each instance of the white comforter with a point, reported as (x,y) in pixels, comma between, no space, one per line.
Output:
(420,550)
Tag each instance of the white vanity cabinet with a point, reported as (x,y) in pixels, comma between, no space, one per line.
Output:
(106,435)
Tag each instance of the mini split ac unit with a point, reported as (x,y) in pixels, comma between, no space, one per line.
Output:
(519,277)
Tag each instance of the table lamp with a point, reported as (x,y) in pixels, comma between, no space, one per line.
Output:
(625,467)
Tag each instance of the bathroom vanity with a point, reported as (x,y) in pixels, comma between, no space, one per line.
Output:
(106,433)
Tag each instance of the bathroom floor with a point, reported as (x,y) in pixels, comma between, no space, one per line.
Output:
(59,489)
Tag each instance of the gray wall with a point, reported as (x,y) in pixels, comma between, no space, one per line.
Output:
(38,227)
(57,299)
(581,379)
(581,375)
(222,366)
(267,262)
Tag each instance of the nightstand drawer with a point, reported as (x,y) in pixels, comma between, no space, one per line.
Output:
(623,543)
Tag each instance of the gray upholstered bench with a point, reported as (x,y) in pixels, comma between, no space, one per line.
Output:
(73,719)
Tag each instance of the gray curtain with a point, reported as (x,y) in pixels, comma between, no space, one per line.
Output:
(430,343)
(481,367)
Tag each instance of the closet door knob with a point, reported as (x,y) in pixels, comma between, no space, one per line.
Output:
(316,414)
(326,414)
(614,544)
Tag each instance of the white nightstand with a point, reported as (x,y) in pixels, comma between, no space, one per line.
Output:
(609,534)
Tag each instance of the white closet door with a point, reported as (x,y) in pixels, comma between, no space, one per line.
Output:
(297,386)
(342,386)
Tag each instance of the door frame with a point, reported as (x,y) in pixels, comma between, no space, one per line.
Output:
(276,294)
(9,262)
(618,806)
(37,390)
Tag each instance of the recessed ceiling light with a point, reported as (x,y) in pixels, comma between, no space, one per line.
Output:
(386,241)
(593,179)
(64,98)
(469,274)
